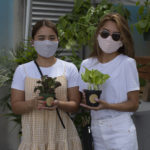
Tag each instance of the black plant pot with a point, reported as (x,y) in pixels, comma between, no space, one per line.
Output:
(91,95)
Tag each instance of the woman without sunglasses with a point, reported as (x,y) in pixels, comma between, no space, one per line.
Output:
(46,128)
(111,123)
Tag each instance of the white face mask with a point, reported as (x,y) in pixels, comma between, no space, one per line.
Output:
(108,45)
(46,48)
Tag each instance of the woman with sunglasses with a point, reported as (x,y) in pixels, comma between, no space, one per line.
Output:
(111,124)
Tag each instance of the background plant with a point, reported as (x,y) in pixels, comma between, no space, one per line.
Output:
(9,60)
(143,19)
(78,27)
(7,67)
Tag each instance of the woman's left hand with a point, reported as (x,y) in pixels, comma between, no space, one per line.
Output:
(54,106)
(102,105)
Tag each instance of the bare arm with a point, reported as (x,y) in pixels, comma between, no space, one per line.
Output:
(18,103)
(73,102)
(130,105)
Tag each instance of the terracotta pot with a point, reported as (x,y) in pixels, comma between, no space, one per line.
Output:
(91,95)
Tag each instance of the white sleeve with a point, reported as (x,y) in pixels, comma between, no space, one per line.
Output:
(18,79)
(132,77)
(72,72)
(82,85)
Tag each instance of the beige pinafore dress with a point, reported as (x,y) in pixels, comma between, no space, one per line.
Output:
(42,129)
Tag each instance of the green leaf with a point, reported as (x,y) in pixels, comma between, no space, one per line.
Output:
(137,3)
(143,24)
(141,10)
(78,3)
(94,77)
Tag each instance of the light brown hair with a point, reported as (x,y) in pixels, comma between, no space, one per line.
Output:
(126,38)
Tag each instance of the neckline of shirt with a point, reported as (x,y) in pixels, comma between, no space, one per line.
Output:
(51,66)
(111,61)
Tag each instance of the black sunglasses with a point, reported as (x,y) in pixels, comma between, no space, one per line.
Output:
(115,35)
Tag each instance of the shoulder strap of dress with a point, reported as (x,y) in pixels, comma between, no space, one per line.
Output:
(25,70)
(37,65)
(64,73)
(62,123)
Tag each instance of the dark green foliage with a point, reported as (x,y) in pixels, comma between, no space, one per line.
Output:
(143,19)
(74,58)
(119,8)
(81,119)
(78,27)
(24,53)
(47,85)
(7,68)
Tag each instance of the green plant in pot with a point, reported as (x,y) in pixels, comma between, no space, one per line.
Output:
(46,87)
(95,80)
(143,19)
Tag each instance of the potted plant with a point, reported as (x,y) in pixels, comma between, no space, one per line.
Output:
(95,80)
(143,19)
(46,88)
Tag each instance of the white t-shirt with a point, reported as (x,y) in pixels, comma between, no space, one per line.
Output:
(59,68)
(123,78)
